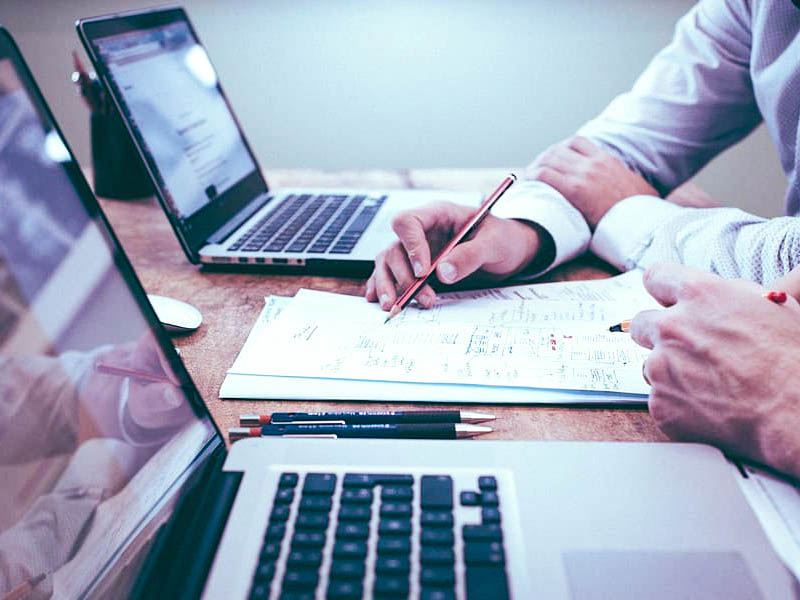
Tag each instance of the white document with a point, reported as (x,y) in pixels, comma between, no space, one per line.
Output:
(532,343)
(776,503)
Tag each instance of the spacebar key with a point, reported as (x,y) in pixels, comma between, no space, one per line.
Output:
(486,582)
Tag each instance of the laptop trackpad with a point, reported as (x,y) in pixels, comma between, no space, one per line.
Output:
(620,575)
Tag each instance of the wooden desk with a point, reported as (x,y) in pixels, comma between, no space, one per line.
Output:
(230,303)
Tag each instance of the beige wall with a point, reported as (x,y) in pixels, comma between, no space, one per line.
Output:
(422,83)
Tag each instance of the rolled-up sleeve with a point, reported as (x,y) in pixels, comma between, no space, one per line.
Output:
(642,230)
(693,100)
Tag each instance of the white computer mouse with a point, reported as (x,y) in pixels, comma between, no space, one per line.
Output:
(177,316)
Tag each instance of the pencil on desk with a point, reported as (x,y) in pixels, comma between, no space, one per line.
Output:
(365,417)
(468,228)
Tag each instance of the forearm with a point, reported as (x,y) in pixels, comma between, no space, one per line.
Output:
(641,231)
(693,100)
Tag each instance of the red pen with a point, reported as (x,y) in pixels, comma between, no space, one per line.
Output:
(468,228)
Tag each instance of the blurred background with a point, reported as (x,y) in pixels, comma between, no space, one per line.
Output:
(366,84)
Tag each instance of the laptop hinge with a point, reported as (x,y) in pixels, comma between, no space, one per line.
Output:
(236,221)
(178,564)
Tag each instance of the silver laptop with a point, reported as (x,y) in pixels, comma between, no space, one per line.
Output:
(116,482)
(205,174)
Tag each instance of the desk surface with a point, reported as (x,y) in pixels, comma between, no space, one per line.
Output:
(231,301)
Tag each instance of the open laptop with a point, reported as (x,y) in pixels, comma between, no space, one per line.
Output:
(117,483)
(206,176)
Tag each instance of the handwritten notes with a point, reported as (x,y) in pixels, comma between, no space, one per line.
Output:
(546,336)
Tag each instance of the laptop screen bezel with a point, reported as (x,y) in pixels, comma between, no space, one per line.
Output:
(193,232)
(9,50)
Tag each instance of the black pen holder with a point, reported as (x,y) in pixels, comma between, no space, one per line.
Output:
(118,169)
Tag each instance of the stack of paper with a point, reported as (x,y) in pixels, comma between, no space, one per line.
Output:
(532,343)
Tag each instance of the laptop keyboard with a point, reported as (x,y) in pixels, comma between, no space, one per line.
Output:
(312,223)
(380,536)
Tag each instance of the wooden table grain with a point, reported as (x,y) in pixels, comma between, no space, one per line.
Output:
(231,301)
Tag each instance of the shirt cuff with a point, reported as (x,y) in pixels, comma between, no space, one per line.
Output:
(626,230)
(539,203)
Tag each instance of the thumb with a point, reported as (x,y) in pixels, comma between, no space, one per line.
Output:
(789,283)
(464,260)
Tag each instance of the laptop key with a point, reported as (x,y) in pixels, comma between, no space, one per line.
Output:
(470,499)
(439,576)
(300,579)
(350,549)
(394,545)
(296,596)
(264,572)
(490,515)
(394,527)
(270,551)
(260,591)
(436,491)
(344,590)
(350,512)
(436,518)
(275,532)
(489,553)
(395,509)
(356,496)
(315,504)
(308,539)
(319,483)
(357,531)
(486,582)
(284,496)
(490,499)
(387,585)
(314,521)
(279,514)
(437,537)
(395,494)
(288,480)
(482,532)
(437,594)
(437,555)
(304,558)
(347,569)
(393,565)
(487,483)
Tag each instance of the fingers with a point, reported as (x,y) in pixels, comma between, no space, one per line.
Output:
(548,175)
(156,405)
(583,146)
(670,282)
(414,227)
(789,283)
(644,328)
(392,274)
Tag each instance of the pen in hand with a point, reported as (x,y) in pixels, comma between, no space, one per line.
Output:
(132,373)
(469,227)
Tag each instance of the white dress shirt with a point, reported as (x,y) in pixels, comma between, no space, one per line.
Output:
(730,65)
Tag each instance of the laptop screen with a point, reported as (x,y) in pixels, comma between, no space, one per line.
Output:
(171,94)
(99,422)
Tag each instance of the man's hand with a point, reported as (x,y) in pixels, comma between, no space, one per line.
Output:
(591,179)
(151,405)
(724,367)
(789,283)
(500,248)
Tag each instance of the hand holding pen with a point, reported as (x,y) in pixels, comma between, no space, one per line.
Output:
(499,248)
